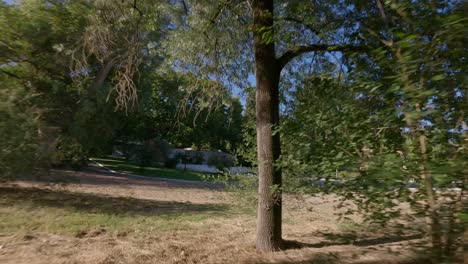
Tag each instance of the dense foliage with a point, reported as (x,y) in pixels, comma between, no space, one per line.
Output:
(64,96)
(394,121)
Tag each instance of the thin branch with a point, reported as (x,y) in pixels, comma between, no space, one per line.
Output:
(382,11)
(10,74)
(389,43)
(136,8)
(296,51)
(310,27)
(340,64)
(184,5)
(249,4)
(216,15)
(346,151)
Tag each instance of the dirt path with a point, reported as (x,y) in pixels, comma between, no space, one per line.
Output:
(100,181)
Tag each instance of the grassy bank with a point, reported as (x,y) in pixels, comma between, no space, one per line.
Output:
(131,167)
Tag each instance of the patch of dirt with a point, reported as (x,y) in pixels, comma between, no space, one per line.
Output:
(108,184)
(310,221)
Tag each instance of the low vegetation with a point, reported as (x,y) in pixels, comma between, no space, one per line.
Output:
(125,166)
(58,211)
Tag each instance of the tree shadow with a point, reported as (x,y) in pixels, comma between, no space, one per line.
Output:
(331,258)
(311,259)
(352,255)
(93,203)
(350,239)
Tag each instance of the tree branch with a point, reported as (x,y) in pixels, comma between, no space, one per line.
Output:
(218,13)
(298,21)
(296,51)
(136,8)
(10,74)
(184,5)
(388,43)
(214,17)
(100,77)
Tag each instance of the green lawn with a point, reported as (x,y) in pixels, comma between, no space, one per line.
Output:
(126,166)
(63,212)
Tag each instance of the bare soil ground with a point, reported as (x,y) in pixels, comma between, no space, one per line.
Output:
(95,217)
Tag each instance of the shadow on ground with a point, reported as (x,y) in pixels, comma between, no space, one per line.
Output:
(334,259)
(94,203)
(362,251)
(347,239)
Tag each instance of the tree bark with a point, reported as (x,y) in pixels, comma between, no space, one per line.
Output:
(267,73)
(433,214)
(100,77)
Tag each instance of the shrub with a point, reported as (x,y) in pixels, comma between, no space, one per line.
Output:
(18,145)
(171,163)
(19,128)
(144,156)
(219,162)
(242,187)
(69,153)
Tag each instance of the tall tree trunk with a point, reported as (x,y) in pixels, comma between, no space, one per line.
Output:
(433,214)
(267,73)
(434,227)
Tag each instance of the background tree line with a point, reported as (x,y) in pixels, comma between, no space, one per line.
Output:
(59,97)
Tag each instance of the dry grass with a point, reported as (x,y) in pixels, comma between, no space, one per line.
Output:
(104,219)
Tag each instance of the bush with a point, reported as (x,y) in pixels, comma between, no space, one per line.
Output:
(243,187)
(144,156)
(219,162)
(18,146)
(19,128)
(69,153)
(171,163)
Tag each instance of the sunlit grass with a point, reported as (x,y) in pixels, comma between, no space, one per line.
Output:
(25,212)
